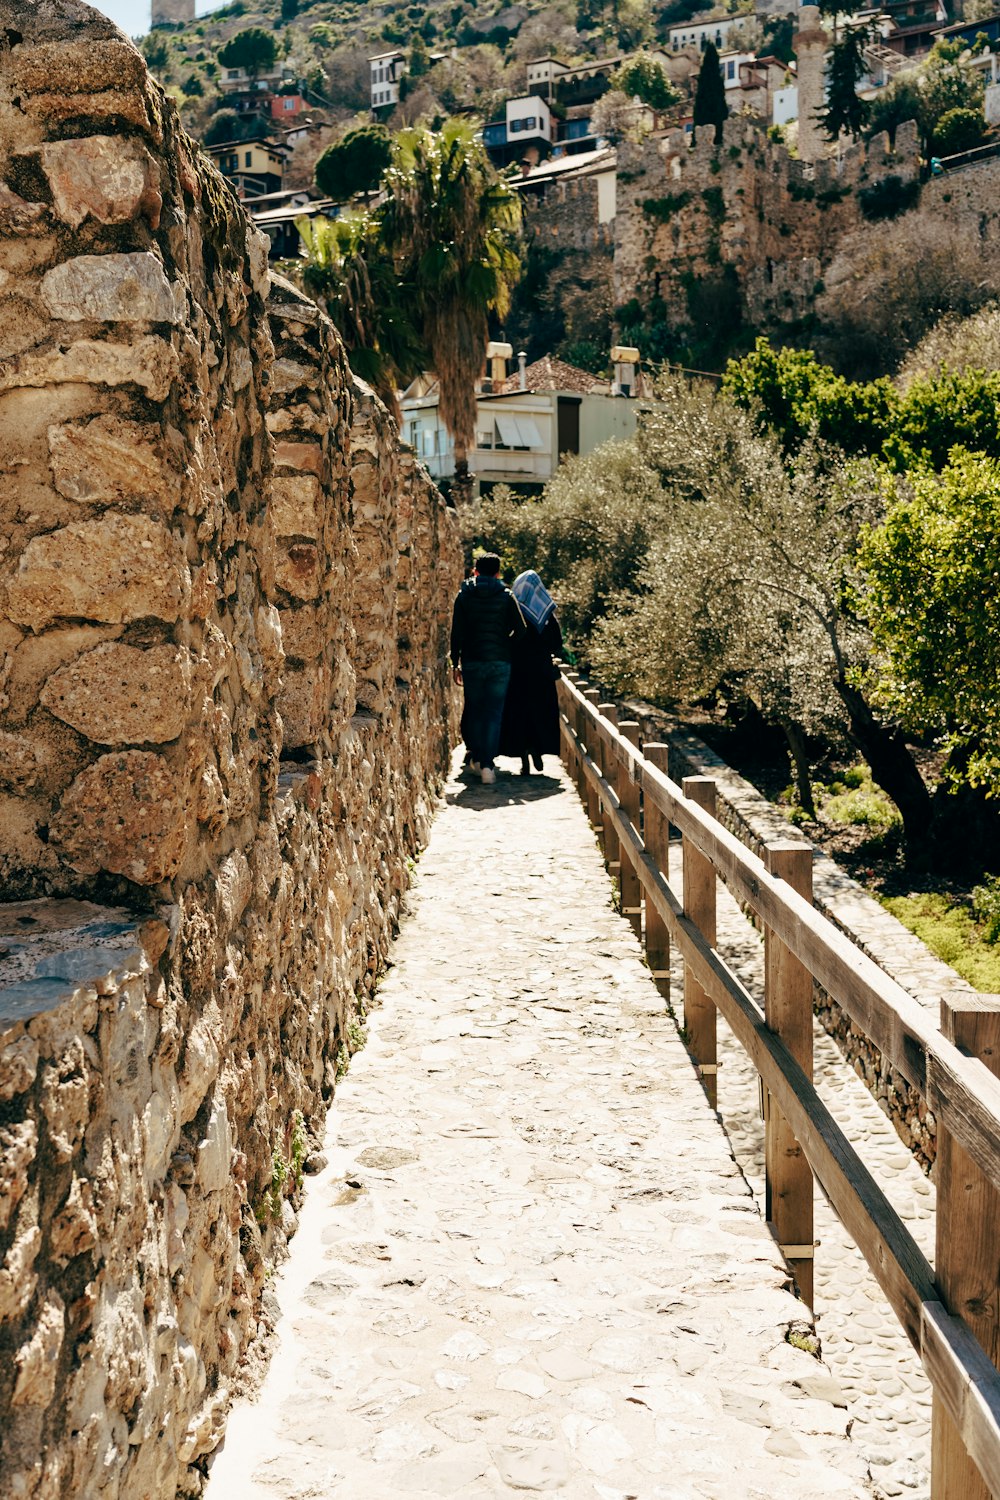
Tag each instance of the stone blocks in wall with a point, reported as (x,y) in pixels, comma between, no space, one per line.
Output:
(211,537)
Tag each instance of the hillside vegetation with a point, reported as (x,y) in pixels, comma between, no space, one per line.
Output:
(326,45)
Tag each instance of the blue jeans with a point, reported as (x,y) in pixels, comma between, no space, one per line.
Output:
(485,685)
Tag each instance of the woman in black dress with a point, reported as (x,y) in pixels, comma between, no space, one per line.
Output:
(531,713)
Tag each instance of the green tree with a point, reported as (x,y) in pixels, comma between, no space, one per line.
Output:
(930,593)
(289,9)
(354,164)
(420,58)
(943,81)
(349,269)
(413,283)
(645,79)
(451,224)
(959,130)
(710,107)
(845,111)
(255,50)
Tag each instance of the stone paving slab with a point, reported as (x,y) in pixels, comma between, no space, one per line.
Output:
(532,1264)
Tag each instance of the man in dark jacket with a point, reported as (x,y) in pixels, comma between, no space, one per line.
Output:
(484,624)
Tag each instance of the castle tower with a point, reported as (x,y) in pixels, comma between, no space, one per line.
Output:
(810,55)
(172,13)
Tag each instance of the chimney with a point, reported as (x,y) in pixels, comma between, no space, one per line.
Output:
(625,360)
(498,355)
(522,365)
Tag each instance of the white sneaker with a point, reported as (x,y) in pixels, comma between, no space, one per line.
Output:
(489,775)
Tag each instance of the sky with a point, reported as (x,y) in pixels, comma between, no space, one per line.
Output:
(133,15)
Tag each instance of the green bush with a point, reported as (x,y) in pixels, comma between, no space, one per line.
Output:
(958,130)
(986,906)
(889,198)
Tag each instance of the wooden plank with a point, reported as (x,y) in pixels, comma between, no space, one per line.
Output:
(657,847)
(607,760)
(966,1384)
(592,739)
(967,1236)
(959,1090)
(699,878)
(788,1010)
(627,789)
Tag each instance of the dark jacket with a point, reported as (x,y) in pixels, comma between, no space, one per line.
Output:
(485,622)
(531,709)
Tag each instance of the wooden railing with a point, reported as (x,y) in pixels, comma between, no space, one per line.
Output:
(951,1313)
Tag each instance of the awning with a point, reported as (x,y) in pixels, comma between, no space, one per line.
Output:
(530,435)
(508,431)
(518,432)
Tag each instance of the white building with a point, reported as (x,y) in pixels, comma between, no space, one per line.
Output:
(525,422)
(698,34)
(386,71)
(528,117)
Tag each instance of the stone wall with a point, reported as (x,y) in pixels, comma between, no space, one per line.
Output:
(224,713)
(756,822)
(690,217)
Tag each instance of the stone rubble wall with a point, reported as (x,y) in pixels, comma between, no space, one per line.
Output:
(755,822)
(225,712)
(745,209)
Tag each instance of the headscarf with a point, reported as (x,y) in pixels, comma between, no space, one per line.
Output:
(537,604)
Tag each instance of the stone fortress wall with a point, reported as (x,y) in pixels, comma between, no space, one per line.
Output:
(745,228)
(744,208)
(224,713)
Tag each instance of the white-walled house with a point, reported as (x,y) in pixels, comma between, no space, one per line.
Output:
(386,71)
(525,422)
(698,34)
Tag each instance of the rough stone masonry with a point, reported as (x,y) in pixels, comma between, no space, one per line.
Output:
(224,713)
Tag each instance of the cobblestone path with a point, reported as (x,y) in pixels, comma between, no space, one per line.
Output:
(531,1264)
(882,1377)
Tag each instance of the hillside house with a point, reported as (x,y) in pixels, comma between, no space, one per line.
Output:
(526,421)
(387,69)
(599,162)
(698,34)
(254,167)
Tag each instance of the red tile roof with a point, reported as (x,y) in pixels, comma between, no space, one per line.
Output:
(550,374)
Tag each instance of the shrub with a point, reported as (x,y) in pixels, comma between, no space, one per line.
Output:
(958,130)
(889,198)
(986,907)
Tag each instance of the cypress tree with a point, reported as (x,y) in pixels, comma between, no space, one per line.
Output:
(844,110)
(710,107)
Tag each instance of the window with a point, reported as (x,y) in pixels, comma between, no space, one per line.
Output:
(484,439)
(730,70)
(290,103)
(248,158)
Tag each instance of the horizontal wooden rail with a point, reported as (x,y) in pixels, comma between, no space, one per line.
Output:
(960,1090)
(965,1381)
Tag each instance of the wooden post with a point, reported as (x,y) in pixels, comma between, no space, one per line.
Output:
(788,1010)
(567,704)
(609,761)
(590,738)
(699,905)
(657,841)
(967,1260)
(628,796)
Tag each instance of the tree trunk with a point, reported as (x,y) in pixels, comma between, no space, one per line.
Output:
(461,486)
(800,765)
(892,766)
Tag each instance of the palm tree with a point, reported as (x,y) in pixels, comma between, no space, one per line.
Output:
(350,271)
(450,223)
(412,283)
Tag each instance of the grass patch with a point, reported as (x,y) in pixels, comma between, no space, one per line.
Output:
(951,932)
(852,800)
